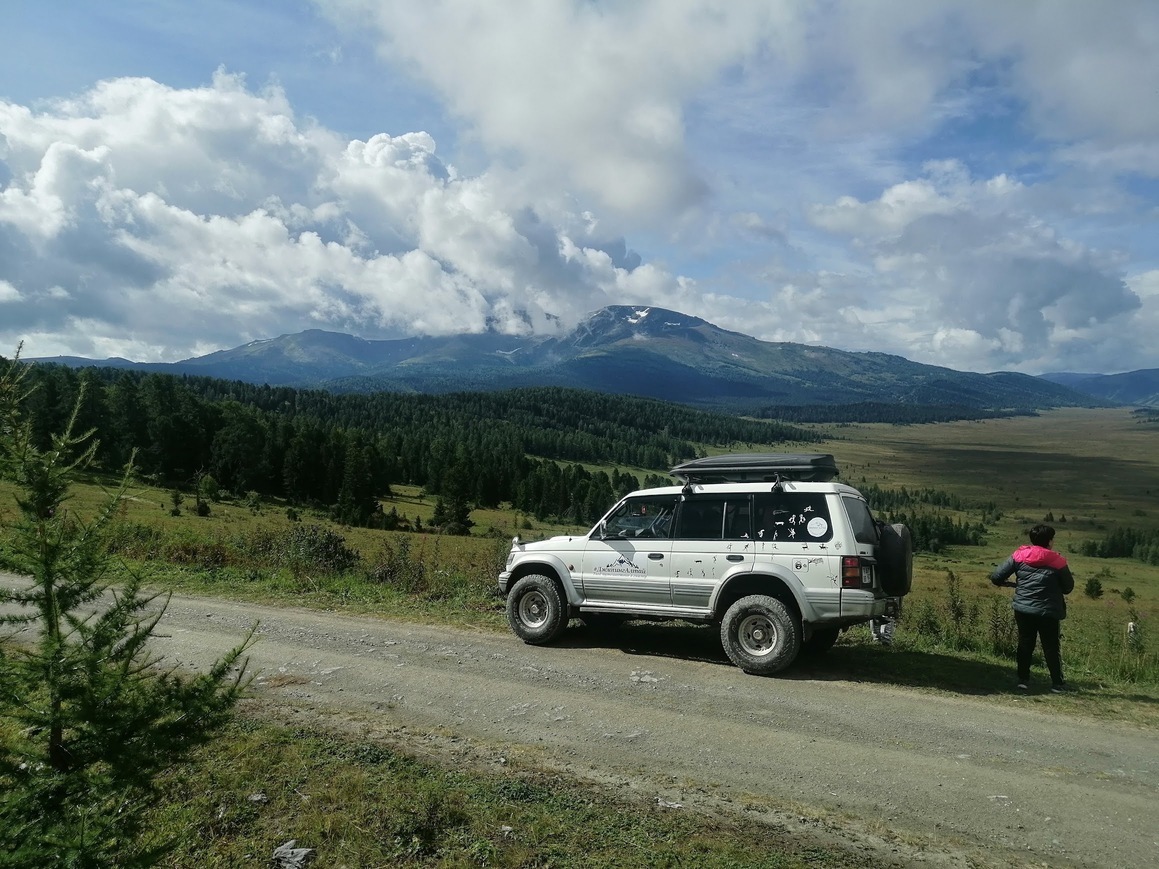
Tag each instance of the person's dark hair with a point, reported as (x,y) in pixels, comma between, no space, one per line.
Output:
(1041,535)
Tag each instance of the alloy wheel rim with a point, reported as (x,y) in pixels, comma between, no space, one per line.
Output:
(757,635)
(533,609)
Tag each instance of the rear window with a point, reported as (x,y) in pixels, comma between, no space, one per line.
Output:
(796,517)
(861,519)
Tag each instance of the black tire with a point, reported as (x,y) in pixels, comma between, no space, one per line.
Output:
(820,642)
(535,609)
(895,559)
(760,635)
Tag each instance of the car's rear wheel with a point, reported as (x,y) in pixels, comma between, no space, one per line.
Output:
(535,609)
(760,635)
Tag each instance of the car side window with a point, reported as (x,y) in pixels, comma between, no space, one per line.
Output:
(714,519)
(642,517)
(792,517)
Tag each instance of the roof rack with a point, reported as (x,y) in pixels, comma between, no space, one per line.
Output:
(758,468)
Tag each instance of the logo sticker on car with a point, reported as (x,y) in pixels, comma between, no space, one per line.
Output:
(621,567)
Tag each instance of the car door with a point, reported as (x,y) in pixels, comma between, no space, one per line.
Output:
(713,538)
(628,561)
(794,532)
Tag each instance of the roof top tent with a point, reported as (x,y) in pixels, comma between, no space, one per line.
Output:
(758,468)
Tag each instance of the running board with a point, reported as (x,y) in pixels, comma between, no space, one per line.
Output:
(645,610)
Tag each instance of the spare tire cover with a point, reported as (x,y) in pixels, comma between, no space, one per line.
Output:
(895,559)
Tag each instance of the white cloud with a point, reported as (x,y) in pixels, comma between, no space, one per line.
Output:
(1083,69)
(1079,71)
(1118,351)
(173,219)
(592,92)
(982,281)
(153,221)
(596,92)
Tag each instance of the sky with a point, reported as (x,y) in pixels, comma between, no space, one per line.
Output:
(967,183)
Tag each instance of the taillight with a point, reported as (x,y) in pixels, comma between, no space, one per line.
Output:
(856,573)
(851,572)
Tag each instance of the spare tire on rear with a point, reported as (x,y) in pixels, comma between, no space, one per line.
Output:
(895,559)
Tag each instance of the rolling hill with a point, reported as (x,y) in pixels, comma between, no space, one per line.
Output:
(1131,387)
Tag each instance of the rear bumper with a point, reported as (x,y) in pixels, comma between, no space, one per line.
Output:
(864,605)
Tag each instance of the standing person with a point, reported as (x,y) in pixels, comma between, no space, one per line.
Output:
(1042,581)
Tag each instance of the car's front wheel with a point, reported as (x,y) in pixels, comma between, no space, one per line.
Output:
(760,635)
(535,609)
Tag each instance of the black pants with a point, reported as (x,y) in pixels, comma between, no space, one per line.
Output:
(1030,628)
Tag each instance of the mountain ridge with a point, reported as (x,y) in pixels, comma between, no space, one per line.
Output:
(641,350)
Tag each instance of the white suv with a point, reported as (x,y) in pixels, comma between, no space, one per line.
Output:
(765,545)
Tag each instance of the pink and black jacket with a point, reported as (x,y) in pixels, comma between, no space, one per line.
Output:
(1043,580)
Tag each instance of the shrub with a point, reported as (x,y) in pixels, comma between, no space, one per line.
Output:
(963,615)
(89,726)
(394,565)
(1002,628)
(188,549)
(925,620)
(1094,588)
(1135,635)
(208,488)
(133,540)
(302,549)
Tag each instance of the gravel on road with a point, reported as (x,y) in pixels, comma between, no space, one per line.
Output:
(922,777)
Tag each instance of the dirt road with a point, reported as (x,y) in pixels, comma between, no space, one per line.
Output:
(916,777)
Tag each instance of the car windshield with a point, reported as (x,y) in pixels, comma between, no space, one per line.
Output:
(641,517)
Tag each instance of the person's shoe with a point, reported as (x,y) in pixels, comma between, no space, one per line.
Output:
(1061,688)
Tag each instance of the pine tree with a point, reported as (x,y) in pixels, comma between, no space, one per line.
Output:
(89,719)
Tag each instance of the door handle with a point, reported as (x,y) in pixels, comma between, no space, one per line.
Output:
(736,558)
(656,556)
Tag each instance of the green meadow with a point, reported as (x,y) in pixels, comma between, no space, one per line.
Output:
(1087,472)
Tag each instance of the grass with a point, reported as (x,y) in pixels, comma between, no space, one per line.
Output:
(362,801)
(359,800)
(1097,469)
(1094,466)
